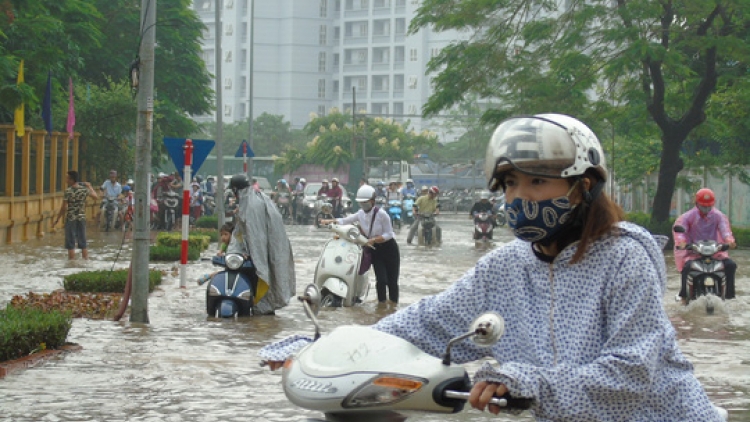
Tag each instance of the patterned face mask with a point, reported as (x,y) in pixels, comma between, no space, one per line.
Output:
(534,221)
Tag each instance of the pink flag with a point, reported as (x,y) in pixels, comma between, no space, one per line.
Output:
(71,112)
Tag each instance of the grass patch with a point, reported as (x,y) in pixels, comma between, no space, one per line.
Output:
(168,253)
(213,234)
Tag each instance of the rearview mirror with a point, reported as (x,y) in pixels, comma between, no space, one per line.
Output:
(679,229)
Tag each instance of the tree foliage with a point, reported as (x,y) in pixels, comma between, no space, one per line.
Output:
(272,135)
(94,42)
(336,140)
(659,63)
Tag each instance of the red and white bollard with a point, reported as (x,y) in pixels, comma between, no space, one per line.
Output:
(186,182)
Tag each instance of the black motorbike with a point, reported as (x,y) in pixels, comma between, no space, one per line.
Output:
(706,277)
(232,292)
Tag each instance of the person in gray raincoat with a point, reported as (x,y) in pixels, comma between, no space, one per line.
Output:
(259,232)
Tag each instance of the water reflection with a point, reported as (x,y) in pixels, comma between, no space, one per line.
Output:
(187,367)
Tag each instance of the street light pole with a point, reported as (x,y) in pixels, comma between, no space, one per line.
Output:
(250,83)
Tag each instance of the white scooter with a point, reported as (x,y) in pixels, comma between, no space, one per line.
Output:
(355,372)
(337,273)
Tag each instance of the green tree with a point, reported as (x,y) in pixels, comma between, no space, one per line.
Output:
(667,58)
(336,141)
(272,135)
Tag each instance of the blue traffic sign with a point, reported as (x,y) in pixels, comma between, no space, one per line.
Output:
(239,152)
(176,151)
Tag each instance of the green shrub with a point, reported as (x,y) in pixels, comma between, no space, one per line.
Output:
(168,253)
(208,222)
(23,331)
(212,234)
(741,236)
(174,240)
(105,281)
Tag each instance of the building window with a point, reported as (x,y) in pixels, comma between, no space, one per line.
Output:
(207,5)
(415,2)
(335,59)
(321,61)
(227,110)
(228,57)
(323,35)
(362,57)
(434,52)
(364,4)
(228,29)
(413,54)
(336,33)
(400,26)
(412,109)
(228,83)
(321,110)
(323,8)
(362,84)
(229,4)
(321,88)
(413,82)
(335,87)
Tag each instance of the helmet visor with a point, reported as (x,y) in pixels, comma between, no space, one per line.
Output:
(531,145)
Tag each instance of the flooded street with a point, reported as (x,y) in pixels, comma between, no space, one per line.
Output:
(184,366)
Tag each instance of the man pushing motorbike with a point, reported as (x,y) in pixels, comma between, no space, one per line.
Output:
(427,204)
(260,235)
(704,222)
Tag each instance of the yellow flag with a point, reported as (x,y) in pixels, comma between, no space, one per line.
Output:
(18,120)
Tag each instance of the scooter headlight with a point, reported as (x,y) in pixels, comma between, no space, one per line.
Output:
(234,261)
(384,389)
(353,234)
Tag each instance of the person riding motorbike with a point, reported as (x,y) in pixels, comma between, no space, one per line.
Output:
(392,194)
(380,189)
(586,337)
(298,194)
(335,194)
(704,222)
(427,204)
(409,189)
(324,188)
(111,190)
(483,205)
(163,185)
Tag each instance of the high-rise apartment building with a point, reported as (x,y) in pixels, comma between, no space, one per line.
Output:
(312,55)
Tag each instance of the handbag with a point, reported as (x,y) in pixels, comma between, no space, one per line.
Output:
(366,262)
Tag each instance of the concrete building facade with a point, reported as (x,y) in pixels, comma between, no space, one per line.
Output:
(312,55)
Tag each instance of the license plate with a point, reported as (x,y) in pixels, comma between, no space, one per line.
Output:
(709,283)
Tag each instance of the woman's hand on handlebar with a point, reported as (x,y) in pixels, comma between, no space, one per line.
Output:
(483,392)
(326,222)
(274,364)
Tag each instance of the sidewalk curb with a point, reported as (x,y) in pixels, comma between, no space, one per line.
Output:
(8,367)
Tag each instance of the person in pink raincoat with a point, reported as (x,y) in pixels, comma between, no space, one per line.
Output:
(704,222)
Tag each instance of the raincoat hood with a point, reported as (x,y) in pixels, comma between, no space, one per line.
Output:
(259,230)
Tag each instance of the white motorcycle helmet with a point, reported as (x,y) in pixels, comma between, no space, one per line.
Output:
(365,193)
(546,145)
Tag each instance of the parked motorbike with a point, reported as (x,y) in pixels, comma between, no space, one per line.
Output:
(323,210)
(483,229)
(427,231)
(111,213)
(408,207)
(394,211)
(337,272)
(388,375)
(706,276)
(234,291)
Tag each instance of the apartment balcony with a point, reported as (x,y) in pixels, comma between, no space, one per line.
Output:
(381,38)
(381,66)
(398,65)
(400,37)
(355,40)
(379,94)
(398,93)
(356,13)
(379,11)
(355,67)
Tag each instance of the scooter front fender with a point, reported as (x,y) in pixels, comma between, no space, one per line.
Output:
(336,286)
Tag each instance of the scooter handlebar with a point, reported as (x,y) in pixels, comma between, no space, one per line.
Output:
(503,401)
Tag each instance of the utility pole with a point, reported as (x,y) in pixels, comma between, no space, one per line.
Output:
(251,166)
(219,122)
(144,139)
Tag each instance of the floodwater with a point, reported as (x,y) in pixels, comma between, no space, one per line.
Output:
(184,366)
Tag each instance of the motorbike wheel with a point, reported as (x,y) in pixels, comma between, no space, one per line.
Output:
(427,238)
(501,220)
(397,224)
(318,217)
(108,222)
(330,300)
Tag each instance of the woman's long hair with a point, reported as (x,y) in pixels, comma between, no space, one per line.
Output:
(600,217)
